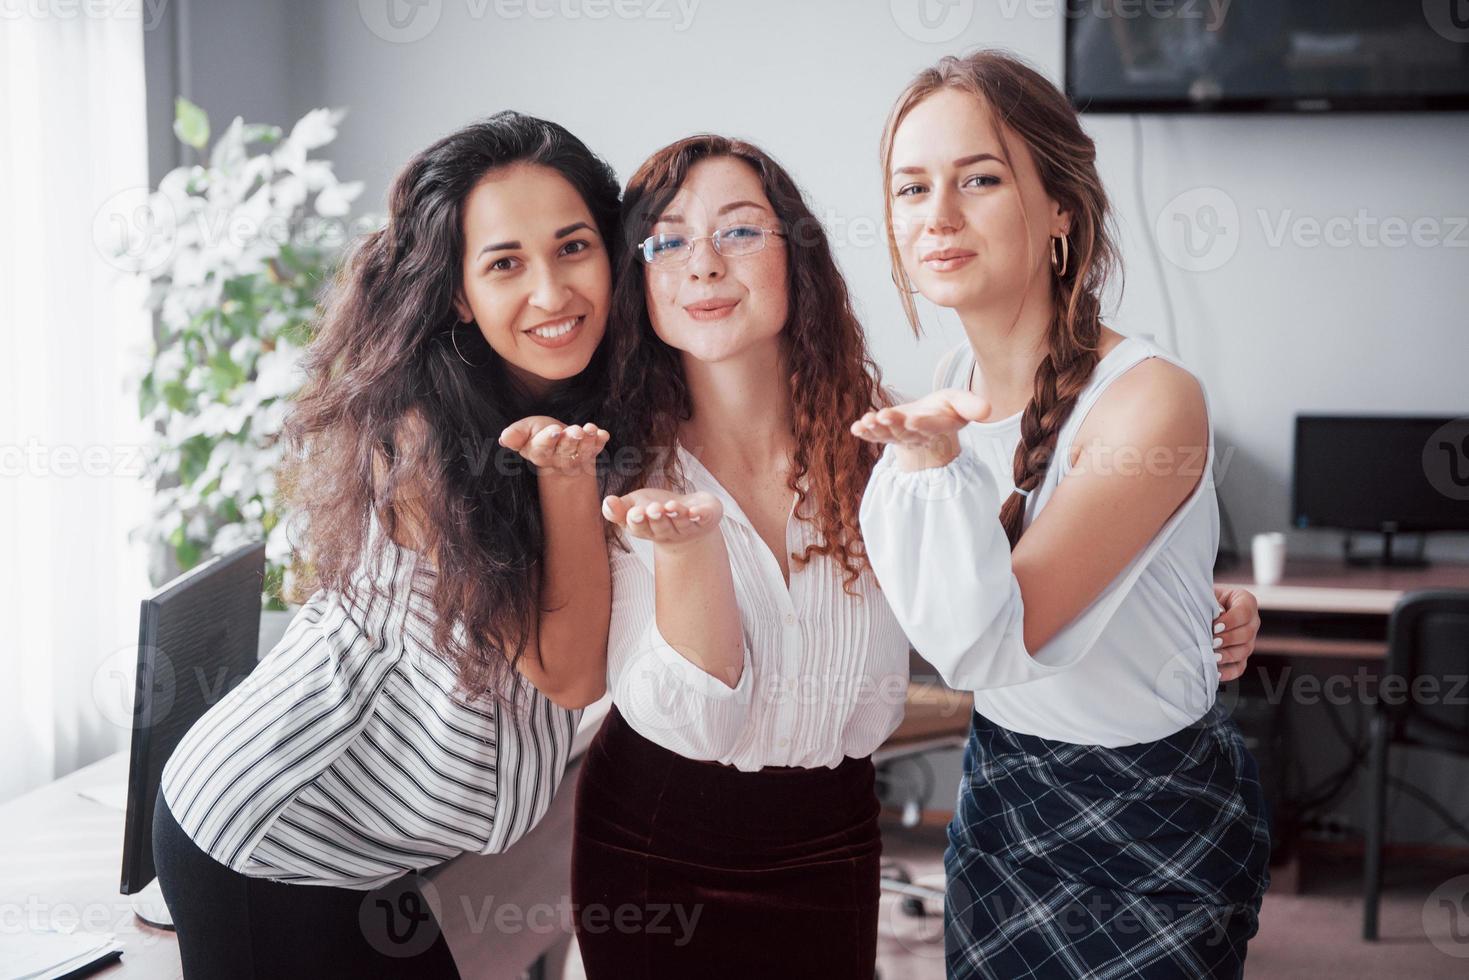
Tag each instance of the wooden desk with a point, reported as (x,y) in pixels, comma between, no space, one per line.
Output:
(61,858)
(1326,608)
(60,861)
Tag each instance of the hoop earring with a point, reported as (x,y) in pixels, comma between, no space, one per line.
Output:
(1060,266)
(454,339)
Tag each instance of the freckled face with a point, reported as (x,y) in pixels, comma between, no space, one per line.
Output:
(537,278)
(719,306)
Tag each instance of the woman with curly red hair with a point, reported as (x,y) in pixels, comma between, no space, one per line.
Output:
(752,663)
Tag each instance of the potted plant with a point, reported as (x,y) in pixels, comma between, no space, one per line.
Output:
(237,251)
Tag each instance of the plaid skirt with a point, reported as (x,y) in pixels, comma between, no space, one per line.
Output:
(1067,860)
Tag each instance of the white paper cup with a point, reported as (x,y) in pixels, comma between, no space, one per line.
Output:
(1268,552)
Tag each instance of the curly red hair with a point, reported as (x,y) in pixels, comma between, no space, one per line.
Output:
(833,377)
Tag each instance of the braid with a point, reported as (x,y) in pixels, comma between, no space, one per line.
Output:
(1025,104)
(1059,381)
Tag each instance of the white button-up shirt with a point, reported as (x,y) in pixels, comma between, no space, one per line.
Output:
(825,671)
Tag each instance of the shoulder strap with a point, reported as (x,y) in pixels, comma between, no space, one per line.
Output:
(943,375)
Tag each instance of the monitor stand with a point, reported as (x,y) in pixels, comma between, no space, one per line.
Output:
(1386,558)
(149,906)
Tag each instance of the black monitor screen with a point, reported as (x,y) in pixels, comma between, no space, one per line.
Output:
(1370,473)
(197,639)
(1267,55)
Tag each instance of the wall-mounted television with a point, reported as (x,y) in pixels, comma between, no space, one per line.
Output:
(1189,56)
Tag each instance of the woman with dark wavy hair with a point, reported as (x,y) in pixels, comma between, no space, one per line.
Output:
(423,701)
(1044,526)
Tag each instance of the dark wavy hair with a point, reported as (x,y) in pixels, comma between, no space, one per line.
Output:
(393,417)
(1022,101)
(833,377)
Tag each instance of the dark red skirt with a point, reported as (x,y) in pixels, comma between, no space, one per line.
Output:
(685,869)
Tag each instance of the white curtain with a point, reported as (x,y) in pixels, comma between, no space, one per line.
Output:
(73,143)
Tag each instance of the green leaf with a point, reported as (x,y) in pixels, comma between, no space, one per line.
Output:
(177,395)
(255,133)
(190,123)
(224,374)
(188,554)
(194,458)
(274,583)
(147,396)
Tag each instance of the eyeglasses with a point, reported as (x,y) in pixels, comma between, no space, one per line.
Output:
(669,250)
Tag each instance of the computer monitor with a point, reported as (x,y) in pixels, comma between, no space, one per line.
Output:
(1382,473)
(197,639)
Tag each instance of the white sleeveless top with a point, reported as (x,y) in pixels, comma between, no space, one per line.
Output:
(1135,665)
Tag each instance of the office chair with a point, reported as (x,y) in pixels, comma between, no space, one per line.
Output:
(1427,637)
(935,717)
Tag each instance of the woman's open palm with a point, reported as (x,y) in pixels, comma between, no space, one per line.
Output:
(937,415)
(664,517)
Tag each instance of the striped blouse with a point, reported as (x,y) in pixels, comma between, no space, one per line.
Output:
(345,759)
(825,673)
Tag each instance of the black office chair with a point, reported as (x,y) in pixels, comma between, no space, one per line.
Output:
(1427,636)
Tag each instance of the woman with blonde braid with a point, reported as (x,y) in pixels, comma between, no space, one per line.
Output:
(1044,527)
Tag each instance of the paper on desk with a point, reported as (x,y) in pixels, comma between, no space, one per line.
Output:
(47,955)
(112,794)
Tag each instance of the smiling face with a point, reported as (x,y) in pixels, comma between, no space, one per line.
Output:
(959,208)
(718,306)
(537,279)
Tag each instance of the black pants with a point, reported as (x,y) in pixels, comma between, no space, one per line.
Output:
(686,870)
(232,926)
